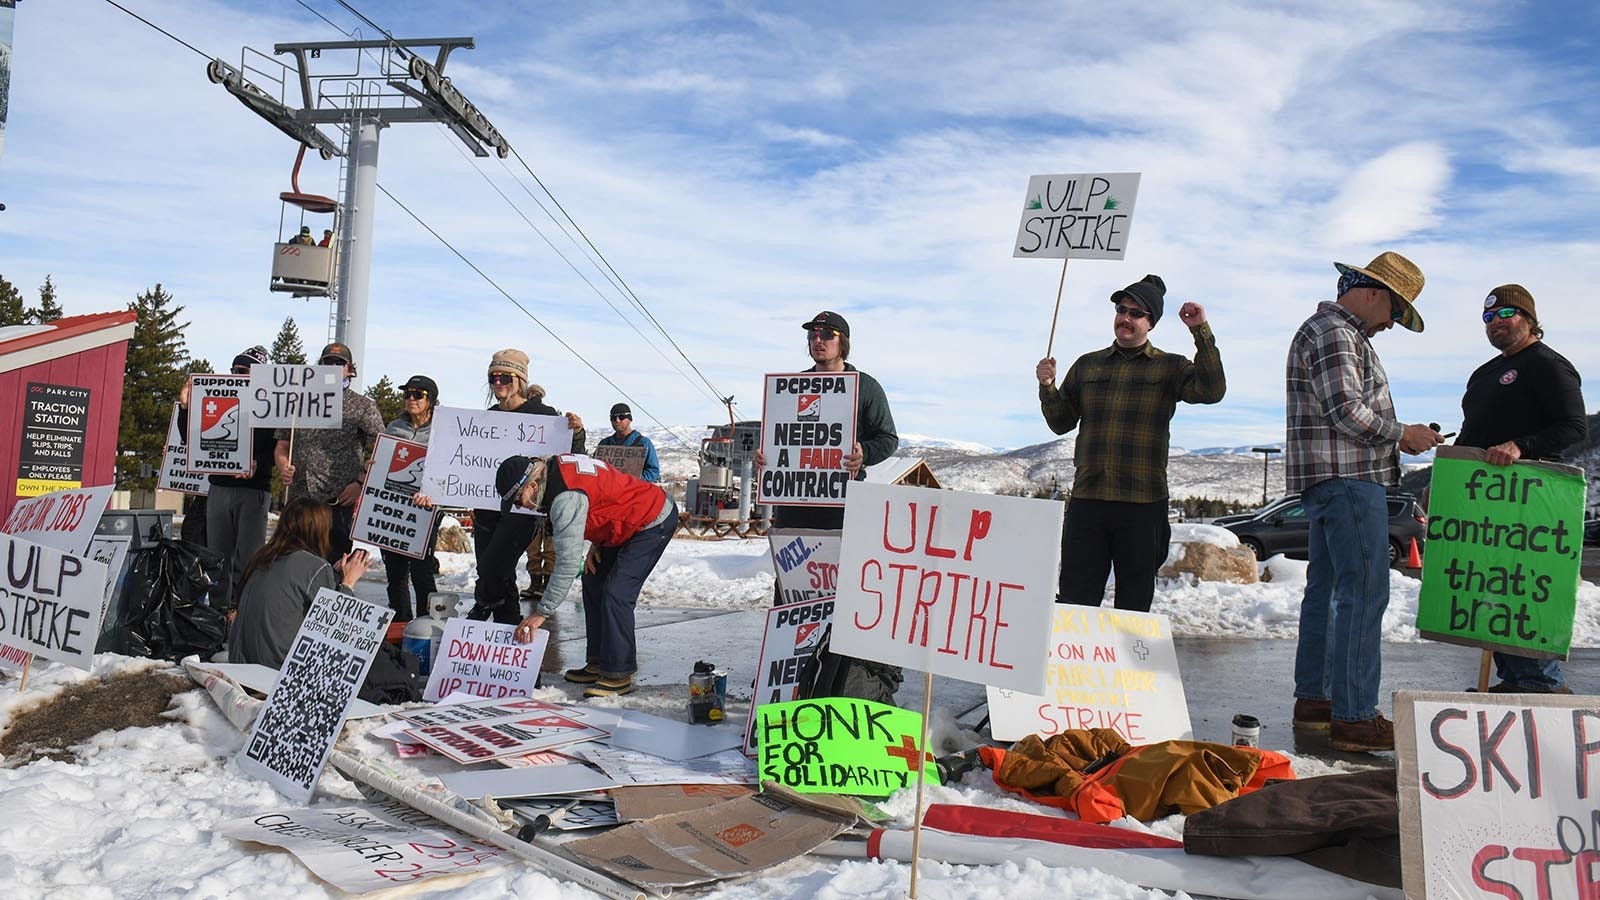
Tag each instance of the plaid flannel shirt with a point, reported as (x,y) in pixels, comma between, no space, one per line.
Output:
(1121,402)
(1341,421)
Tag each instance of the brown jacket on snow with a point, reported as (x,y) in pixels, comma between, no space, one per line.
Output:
(1146,782)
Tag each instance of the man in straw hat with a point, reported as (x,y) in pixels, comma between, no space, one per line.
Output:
(1343,453)
(1526,403)
(1121,399)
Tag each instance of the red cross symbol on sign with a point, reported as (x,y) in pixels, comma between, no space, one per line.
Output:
(907,751)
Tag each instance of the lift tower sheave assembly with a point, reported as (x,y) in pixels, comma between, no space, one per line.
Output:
(391,82)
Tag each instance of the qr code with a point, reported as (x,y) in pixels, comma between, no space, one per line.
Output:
(306,710)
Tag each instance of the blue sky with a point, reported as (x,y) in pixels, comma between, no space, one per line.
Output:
(747,165)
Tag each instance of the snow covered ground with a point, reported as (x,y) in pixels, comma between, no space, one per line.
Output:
(136,814)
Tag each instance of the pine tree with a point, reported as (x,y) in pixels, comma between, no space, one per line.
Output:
(158,362)
(286,347)
(11,309)
(391,403)
(47,310)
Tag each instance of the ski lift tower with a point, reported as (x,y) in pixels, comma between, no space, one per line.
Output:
(389,82)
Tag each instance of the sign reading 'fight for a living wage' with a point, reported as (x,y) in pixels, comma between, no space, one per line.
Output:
(948,582)
(387,515)
(1505,545)
(219,430)
(1109,668)
(1498,795)
(840,745)
(1077,216)
(175,474)
(808,426)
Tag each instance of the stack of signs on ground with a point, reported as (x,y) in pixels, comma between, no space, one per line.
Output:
(366,848)
(1108,668)
(468,446)
(949,583)
(1498,795)
(485,660)
(295,396)
(175,474)
(840,745)
(387,515)
(806,562)
(626,459)
(808,424)
(478,732)
(289,742)
(1084,216)
(45,608)
(219,432)
(1505,547)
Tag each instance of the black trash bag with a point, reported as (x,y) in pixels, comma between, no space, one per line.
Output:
(174,601)
(395,677)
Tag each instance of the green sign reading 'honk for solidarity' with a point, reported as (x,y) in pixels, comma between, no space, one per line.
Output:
(837,745)
(1504,548)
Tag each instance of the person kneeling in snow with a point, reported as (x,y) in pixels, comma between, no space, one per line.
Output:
(628,521)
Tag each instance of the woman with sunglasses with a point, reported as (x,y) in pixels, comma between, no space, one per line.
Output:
(405,574)
(499,541)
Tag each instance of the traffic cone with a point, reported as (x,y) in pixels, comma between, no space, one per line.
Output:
(1414,559)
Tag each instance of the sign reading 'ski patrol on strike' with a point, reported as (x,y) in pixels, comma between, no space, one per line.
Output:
(808,425)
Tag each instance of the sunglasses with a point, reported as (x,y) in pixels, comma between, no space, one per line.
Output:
(1504,312)
(330,361)
(416,394)
(822,333)
(245,370)
(501,378)
(622,418)
(1132,312)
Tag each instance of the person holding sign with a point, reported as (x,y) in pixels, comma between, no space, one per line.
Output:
(236,505)
(1121,399)
(1343,451)
(623,435)
(628,522)
(499,541)
(1526,403)
(282,580)
(328,463)
(415,424)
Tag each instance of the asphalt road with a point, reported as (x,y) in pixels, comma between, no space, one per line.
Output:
(1591,565)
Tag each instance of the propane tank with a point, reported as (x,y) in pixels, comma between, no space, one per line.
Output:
(422,634)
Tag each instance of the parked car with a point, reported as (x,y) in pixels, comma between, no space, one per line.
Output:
(1591,532)
(1240,517)
(1281,527)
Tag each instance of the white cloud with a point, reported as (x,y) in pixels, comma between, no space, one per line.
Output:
(813,137)
(1393,196)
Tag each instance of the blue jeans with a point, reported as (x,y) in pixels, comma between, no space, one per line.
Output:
(612,591)
(1347,590)
(1528,675)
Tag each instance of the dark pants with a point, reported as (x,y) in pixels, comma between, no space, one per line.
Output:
(1100,534)
(406,574)
(498,542)
(339,542)
(612,592)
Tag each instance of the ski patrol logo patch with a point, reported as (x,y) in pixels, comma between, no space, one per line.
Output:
(1509,376)
(808,406)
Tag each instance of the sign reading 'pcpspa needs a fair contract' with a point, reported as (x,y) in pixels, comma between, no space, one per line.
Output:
(808,426)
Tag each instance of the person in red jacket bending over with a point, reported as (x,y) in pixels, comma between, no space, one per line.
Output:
(627,522)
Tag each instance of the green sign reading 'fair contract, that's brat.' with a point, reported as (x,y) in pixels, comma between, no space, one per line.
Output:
(1504,548)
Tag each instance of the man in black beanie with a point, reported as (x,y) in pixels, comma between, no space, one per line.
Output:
(1121,400)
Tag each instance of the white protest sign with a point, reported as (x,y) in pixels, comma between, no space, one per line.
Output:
(948,582)
(175,474)
(482,658)
(364,848)
(1498,795)
(808,425)
(1077,216)
(219,433)
(289,741)
(51,603)
(806,561)
(491,738)
(467,446)
(1109,668)
(295,396)
(111,551)
(793,633)
(64,520)
(451,711)
(386,516)
(627,460)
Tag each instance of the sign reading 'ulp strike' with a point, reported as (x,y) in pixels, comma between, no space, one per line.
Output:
(808,425)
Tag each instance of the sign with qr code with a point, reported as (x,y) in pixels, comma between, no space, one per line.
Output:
(289,742)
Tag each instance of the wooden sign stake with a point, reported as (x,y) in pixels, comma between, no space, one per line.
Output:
(1050,345)
(922,775)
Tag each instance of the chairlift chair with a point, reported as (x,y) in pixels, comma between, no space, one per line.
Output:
(304,270)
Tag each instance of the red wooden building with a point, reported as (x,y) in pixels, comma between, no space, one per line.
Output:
(60,402)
